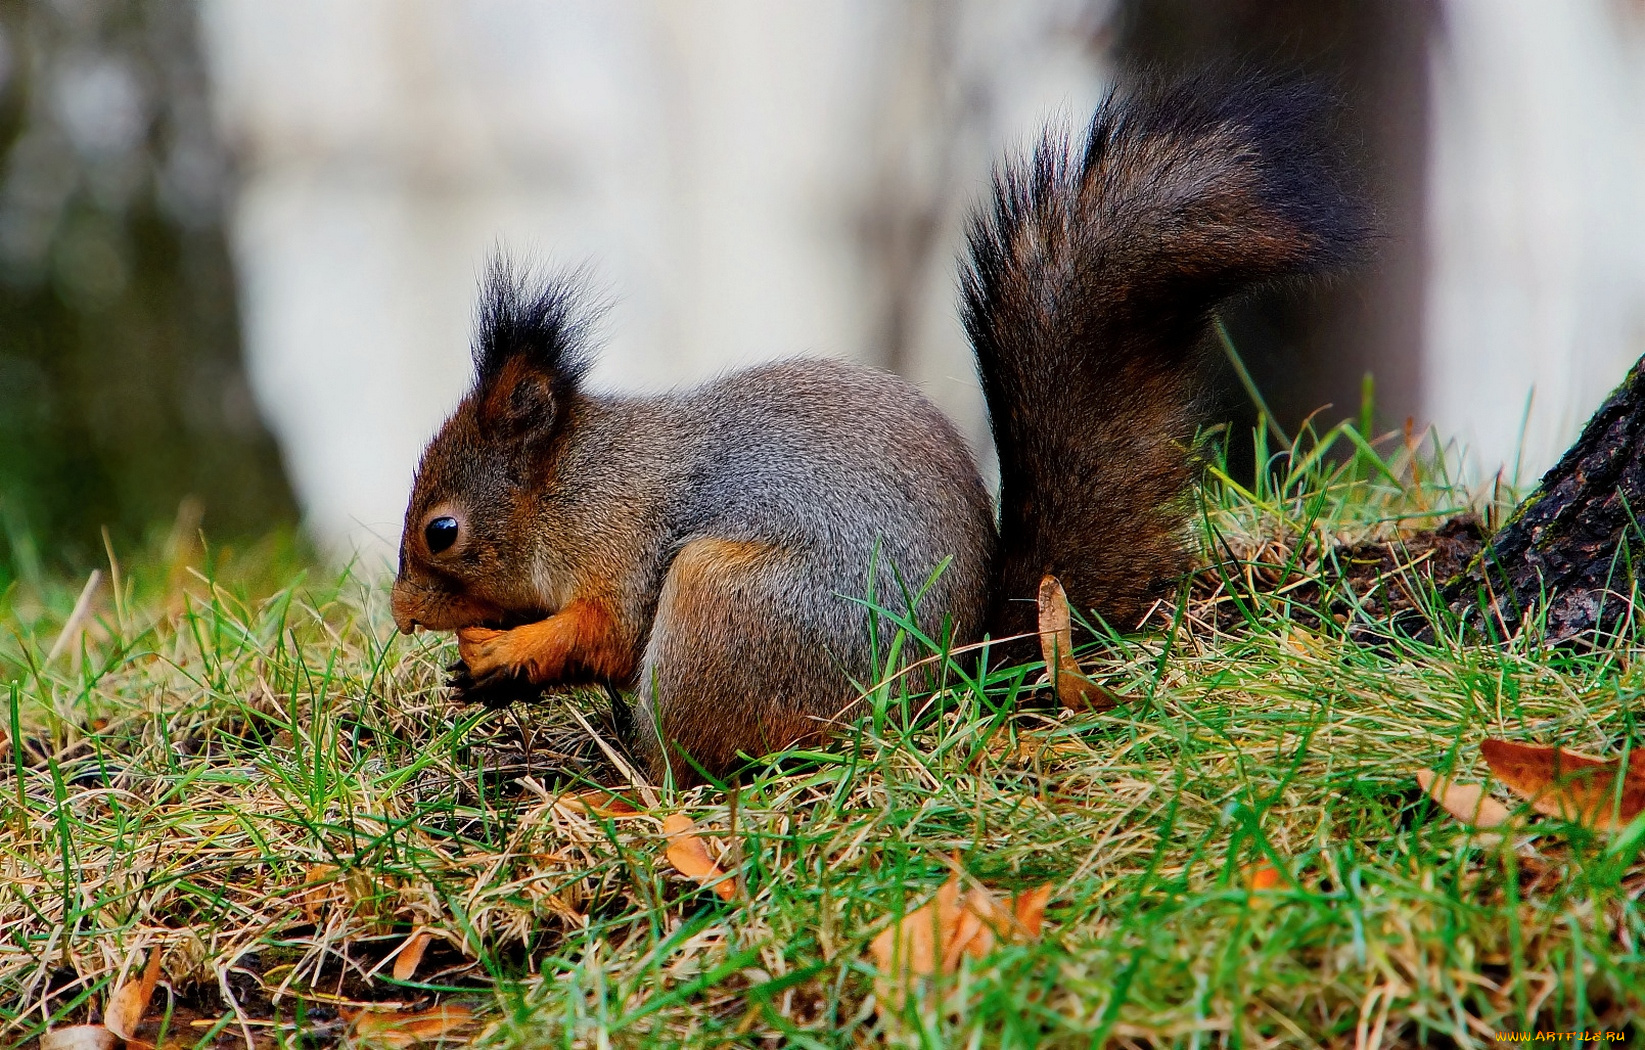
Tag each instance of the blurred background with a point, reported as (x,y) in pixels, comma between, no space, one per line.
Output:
(239,240)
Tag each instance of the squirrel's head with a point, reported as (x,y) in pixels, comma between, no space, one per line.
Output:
(466,555)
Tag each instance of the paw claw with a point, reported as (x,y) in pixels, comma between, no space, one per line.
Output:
(496,689)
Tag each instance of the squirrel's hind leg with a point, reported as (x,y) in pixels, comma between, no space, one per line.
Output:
(741,660)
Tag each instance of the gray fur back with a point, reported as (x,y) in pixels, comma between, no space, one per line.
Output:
(849,467)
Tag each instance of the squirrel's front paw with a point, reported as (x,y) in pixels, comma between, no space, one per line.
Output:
(484,651)
(516,652)
(494,690)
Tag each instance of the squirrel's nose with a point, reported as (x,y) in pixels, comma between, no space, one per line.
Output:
(404,606)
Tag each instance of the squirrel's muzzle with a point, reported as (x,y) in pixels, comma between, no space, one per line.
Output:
(421,602)
(403,603)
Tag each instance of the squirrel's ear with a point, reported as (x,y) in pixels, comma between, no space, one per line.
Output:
(528,352)
(519,400)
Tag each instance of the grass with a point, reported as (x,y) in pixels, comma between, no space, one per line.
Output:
(242,764)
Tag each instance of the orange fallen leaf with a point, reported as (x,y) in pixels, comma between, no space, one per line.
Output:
(600,803)
(688,853)
(1075,691)
(1467,802)
(935,937)
(983,920)
(1568,784)
(388,1028)
(411,955)
(1029,906)
(78,1037)
(1263,876)
(130,1001)
(913,945)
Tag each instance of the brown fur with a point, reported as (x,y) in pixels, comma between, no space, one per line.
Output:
(707,650)
(582,640)
(1091,283)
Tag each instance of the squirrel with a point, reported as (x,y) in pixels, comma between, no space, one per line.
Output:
(701,548)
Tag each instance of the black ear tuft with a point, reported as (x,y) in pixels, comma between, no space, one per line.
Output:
(529,326)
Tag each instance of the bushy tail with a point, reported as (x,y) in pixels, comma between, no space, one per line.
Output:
(1091,283)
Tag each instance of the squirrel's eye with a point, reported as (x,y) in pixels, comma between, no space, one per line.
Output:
(440,534)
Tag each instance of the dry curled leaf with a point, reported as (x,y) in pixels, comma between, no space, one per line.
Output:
(1074,691)
(389,1028)
(1570,785)
(689,854)
(411,955)
(130,1001)
(934,938)
(78,1037)
(1467,802)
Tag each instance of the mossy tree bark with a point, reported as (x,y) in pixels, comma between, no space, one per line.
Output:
(1568,556)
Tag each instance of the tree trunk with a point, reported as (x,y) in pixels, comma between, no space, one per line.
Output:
(122,389)
(1568,552)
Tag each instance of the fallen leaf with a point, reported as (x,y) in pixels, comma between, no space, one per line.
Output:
(78,1037)
(1263,876)
(1568,784)
(130,1001)
(689,854)
(1301,641)
(912,946)
(389,1028)
(936,936)
(411,955)
(983,919)
(319,889)
(598,803)
(1467,802)
(327,887)
(1029,907)
(1075,691)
